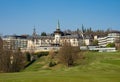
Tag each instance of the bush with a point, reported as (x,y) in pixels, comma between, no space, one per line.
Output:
(110,45)
(52,63)
(28,56)
(39,54)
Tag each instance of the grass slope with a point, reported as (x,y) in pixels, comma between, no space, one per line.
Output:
(96,67)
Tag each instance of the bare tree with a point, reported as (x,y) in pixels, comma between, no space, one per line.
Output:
(18,61)
(68,54)
(4,58)
(52,53)
(11,61)
(117,43)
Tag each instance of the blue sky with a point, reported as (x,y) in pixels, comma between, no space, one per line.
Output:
(20,16)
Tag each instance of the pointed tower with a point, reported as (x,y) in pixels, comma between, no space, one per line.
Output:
(58,33)
(34,32)
(34,35)
(58,26)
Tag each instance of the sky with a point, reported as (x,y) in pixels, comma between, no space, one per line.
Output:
(21,16)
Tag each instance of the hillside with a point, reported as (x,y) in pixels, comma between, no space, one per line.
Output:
(96,67)
(93,61)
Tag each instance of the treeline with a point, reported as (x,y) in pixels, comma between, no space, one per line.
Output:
(89,31)
(85,31)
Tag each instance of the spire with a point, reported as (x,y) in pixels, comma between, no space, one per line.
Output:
(83,28)
(58,25)
(34,32)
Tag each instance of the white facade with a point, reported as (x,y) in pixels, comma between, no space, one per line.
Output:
(103,41)
(57,38)
(87,42)
(15,42)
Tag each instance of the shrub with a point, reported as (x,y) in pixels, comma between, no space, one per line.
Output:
(52,63)
(110,45)
(28,56)
(39,54)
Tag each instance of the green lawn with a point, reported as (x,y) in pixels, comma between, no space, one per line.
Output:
(73,76)
(96,67)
